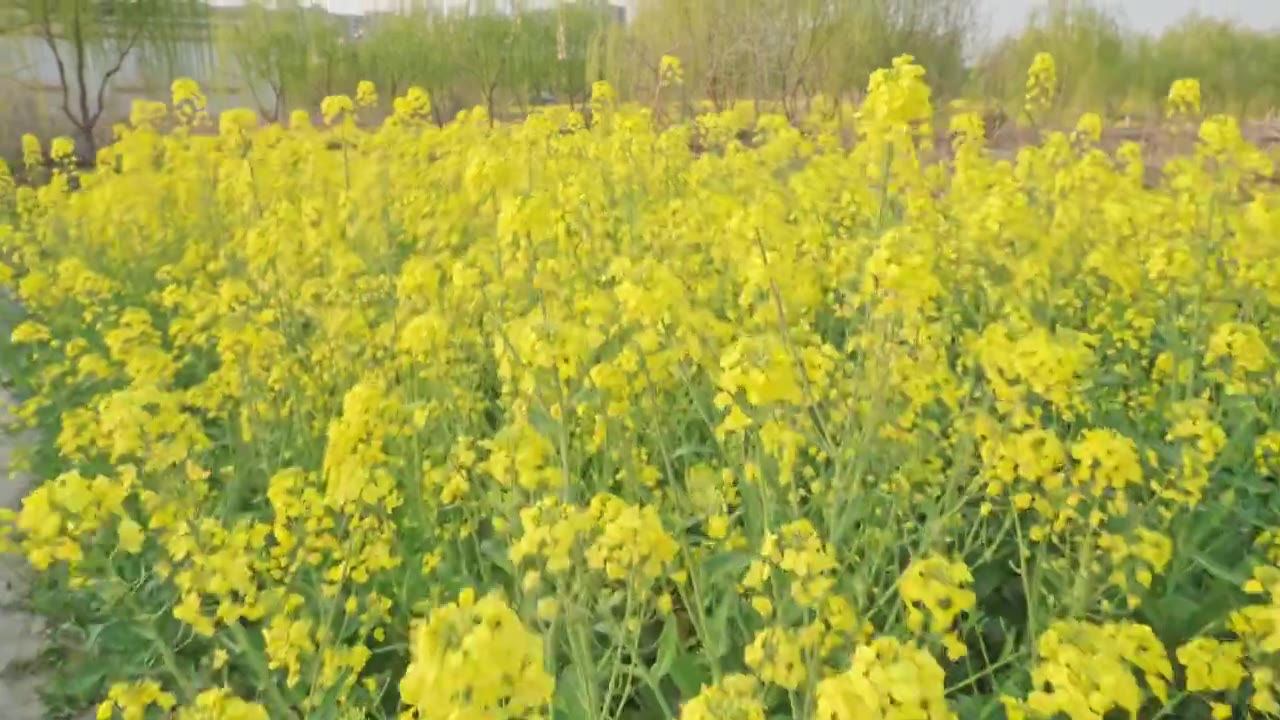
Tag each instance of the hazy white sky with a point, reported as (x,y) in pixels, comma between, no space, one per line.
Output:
(1004,15)
(1147,15)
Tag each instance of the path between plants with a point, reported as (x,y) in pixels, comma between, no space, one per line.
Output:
(21,632)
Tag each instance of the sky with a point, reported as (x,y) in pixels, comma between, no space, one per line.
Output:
(1007,16)
(1004,16)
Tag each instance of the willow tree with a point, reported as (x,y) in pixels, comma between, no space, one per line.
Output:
(289,53)
(485,44)
(785,51)
(1089,43)
(409,48)
(707,35)
(545,54)
(1238,67)
(565,49)
(90,41)
(530,71)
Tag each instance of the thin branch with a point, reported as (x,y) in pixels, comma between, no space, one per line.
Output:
(46,22)
(82,70)
(112,72)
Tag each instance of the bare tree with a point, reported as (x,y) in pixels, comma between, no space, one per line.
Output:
(90,42)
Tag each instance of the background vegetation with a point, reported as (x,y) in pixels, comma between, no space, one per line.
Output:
(781,52)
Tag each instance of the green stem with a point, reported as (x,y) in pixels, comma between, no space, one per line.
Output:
(280,707)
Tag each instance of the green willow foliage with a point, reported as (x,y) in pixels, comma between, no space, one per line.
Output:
(779,53)
(783,52)
(1104,65)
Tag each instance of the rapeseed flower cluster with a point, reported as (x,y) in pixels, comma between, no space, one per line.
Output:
(887,680)
(736,697)
(604,415)
(1184,97)
(475,659)
(1042,84)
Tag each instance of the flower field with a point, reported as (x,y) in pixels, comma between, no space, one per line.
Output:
(718,419)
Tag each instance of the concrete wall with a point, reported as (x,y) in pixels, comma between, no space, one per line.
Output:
(31,93)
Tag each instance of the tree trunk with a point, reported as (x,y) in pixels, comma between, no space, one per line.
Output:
(84,123)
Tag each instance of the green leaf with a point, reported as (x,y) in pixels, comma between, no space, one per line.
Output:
(1217,570)
(668,648)
(690,451)
(975,707)
(689,674)
(726,567)
(717,641)
(83,684)
(991,577)
(1171,611)
(496,552)
(569,702)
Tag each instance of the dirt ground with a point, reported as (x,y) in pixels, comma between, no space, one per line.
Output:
(21,633)
(1159,140)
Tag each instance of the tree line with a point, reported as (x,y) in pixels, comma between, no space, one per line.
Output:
(779,53)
